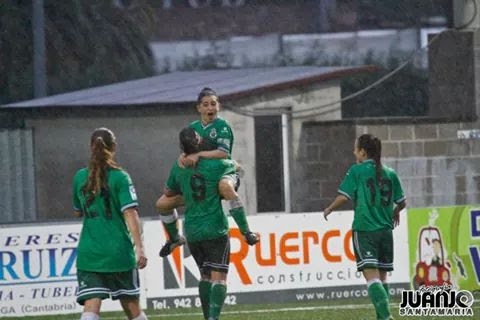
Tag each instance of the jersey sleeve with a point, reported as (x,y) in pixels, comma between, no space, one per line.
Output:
(398,194)
(126,192)
(348,186)
(225,138)
(172,183)
(77,205)
(228,167)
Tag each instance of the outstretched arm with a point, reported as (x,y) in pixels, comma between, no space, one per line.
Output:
(337,203)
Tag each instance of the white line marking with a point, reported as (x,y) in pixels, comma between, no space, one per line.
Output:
(196,314)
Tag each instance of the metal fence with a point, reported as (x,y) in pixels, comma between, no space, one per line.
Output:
(17,179)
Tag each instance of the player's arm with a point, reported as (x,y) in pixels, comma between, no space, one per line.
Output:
(133,223)
(77,212)
(192,159)
(224,143)
(398,198)
(346,191)
(337,203)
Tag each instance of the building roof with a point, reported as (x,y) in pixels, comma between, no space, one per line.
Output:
(183,87)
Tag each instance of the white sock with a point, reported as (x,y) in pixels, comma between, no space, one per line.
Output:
(90,316)
(141,316)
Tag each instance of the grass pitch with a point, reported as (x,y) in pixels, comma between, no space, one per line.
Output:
(358,309)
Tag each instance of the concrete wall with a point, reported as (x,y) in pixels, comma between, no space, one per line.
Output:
(147,148)
(435,167)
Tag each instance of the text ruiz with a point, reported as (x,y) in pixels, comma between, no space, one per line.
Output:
(37,257)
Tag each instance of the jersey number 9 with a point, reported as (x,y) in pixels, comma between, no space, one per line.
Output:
(197,183)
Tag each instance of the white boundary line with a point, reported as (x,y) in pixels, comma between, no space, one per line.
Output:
(196,314)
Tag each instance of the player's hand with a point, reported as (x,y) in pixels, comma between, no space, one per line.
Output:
(251,238)
(181,161)
(396,218)
(191,160)
(141,258)
(326,213)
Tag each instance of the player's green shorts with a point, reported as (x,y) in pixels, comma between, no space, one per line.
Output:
(373,249)
(211,255)
(103,285)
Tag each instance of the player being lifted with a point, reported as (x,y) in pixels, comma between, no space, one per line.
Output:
(216,143)
(378,199)
(206,226)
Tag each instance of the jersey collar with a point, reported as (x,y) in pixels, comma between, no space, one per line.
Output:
(369,160)
(204,126)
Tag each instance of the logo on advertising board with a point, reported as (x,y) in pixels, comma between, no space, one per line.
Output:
(296,258)
(436,301)
(37,270)
(446,251)
(177,273)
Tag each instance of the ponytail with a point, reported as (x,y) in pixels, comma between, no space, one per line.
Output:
(377,158)
(102,145)
(373,147)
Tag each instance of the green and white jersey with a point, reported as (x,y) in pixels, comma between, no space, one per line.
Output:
(373,205)
(204,216)
(105,243)
(215,135)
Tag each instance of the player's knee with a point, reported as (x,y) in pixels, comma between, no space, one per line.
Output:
(165,204)
(226,188)
(205,275)
(223,282)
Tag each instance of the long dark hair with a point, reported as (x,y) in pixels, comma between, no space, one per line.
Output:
(373,147)
(102,146)
(188,140)
(205,93)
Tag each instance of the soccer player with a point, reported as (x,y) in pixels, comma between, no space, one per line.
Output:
(216,143)
(206,226)
(378,199)
(107,262)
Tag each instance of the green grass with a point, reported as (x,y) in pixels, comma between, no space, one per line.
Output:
(358,309)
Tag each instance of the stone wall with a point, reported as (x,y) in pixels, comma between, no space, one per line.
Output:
(435,167)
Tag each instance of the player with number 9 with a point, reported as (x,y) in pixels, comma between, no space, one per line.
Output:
(206,225)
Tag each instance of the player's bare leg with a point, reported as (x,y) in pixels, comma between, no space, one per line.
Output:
(168,215)
(131,307)
(91,309)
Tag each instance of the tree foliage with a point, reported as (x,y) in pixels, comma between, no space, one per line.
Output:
(88,43)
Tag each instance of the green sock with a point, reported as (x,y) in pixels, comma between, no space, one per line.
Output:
(204,289)
(172,230)
(387,290)
(217,297)
(240,218)
(379,298)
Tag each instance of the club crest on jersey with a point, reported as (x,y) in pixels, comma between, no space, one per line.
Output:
(213,133)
